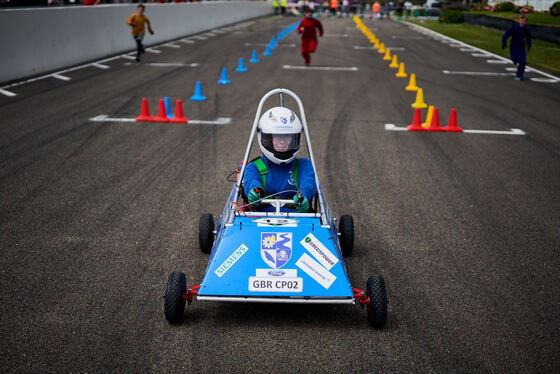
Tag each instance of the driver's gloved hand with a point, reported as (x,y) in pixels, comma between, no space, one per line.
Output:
(303,206)
(254,195)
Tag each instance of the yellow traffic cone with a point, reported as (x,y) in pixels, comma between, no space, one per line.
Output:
(381,48)
(419,103)
(387,56)
(401,73)
(376,45)
(429,117)
(395,63)
(412,83)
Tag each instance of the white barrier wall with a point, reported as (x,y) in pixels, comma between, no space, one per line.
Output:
(39,40)
(539,5)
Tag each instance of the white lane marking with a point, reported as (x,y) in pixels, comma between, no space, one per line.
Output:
(7,93)
(373,49)
(526,71)
(408,37)
(336,35)
(171,45)
(61,77)
(337,68)
(289,45)
(502,62)
(455,45)
(428,31)
(151,50)
(100,66)
(210,34)
(479,55)
(128,57)
(487,73)
(165,64)
(467,50)
(188,41)
(219,31)
(544,80)
(199,37)
(391,127)
(362,47)
(218,121)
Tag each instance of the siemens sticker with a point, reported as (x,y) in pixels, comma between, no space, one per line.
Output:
(231,260)
(319,251)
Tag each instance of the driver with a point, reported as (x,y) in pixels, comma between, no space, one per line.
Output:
(278,170)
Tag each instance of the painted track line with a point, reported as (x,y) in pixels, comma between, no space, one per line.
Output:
(61,77)
(217,121)
(427,31)
(335,68)
(485,73)
(392,127)
(164,64)
(7,93)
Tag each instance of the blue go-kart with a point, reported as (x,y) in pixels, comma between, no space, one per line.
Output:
(276,257)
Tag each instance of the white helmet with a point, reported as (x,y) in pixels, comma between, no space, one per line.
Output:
(279,135)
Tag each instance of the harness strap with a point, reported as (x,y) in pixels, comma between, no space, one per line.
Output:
(263,170)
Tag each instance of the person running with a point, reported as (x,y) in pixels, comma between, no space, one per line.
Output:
(520,34)
(136,21)
(308,28)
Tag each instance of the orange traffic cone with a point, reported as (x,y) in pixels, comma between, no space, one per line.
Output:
(162,114)
(434,126)
(412,83)
(144,112)
(416,124)
(395,63)
(401,73)
(387,56)
(452,126)
(376,43)
(381,48)
(179,117)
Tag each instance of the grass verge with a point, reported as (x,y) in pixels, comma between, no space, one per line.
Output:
(537,18)
(543,55)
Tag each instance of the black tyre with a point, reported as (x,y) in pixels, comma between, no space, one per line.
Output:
(346,229)
(206,232)
(174,297)
(377,306)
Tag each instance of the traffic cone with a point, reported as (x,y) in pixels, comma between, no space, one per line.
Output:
(412,83)
(267,51)
(179,117)
(167,107)
(162,115)
(452,126)
(241,67)
(376,45)
(401,73)
(419,103)
(429,117)
(434,125)
(387,56)
(144,112)
(223,77)
(198,93)
(395,63)
(254,59)
(381,48)
(416,124)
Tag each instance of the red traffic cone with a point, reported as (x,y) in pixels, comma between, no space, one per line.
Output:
(144,112)
(434,126)
(162,114)
(452,126)
(179,117)
(416,122)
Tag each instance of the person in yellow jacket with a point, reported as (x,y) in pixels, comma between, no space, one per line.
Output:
(275,6)
(136,21)
(284,5)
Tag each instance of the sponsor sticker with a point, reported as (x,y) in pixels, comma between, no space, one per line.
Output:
(276,248)
(273,221)
(314,269)
(275,284)
(319,251)
(290,273)
(231,260)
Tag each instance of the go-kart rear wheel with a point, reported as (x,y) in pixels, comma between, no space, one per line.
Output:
(206,232)
(346,229)
(174,297)
(377,305)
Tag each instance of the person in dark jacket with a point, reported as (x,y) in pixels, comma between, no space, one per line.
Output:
(520,35)
(308,28)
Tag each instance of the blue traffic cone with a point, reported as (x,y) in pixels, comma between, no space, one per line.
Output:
(267,51)
(254,59)
(280,36)
(198,93)
(168,108)
(241,67)
(223,77)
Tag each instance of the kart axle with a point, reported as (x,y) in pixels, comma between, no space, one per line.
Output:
(191,293)
(360,296)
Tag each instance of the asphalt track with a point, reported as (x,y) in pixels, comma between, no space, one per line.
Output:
(464,227)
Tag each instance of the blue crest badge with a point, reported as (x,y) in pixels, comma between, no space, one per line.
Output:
(284,120)
(276,248)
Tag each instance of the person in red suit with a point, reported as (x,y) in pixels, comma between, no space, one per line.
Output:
(308,28)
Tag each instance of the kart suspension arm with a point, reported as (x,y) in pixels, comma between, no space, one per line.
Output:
(360,296)
(191,293)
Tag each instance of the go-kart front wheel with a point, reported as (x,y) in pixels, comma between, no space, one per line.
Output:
(175,297)
(346,229)
(377,305)
(206,232)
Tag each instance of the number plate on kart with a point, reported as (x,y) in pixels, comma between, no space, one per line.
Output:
(269,284)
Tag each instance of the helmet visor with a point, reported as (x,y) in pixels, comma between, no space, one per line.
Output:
(281,143)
